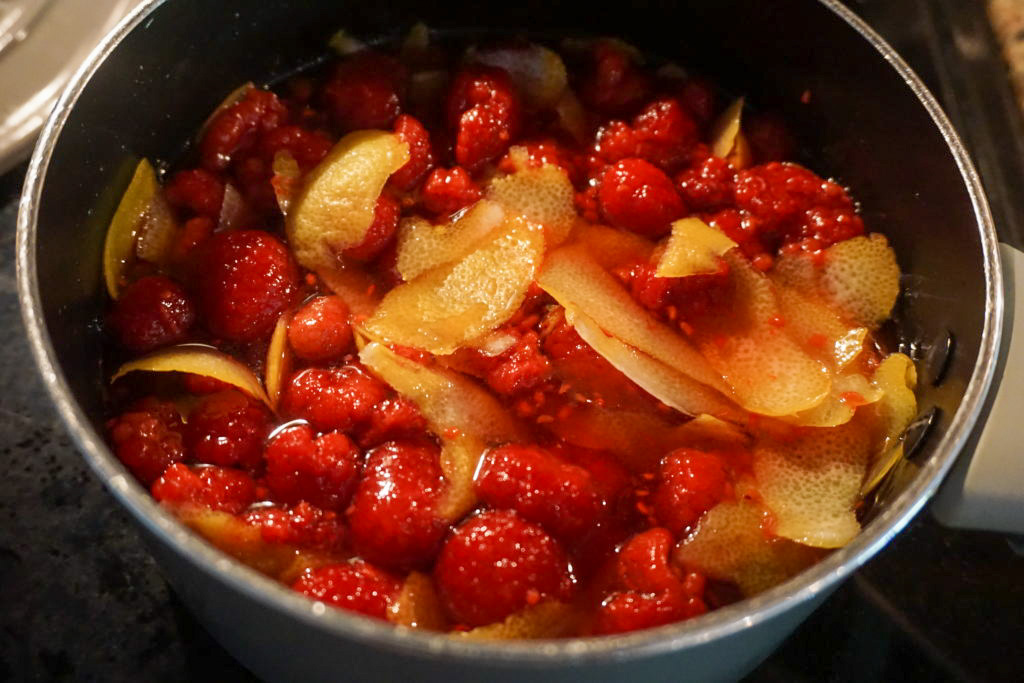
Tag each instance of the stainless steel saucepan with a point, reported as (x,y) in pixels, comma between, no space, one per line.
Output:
(870,122)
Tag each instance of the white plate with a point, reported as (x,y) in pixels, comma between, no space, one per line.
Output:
(50,40)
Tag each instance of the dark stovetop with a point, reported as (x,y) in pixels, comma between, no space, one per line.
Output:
(81,599)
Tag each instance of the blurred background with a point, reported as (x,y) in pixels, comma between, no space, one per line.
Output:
(81,599)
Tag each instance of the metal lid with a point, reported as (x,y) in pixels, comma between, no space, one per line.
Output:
(42,43)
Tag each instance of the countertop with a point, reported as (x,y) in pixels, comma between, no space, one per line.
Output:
(81,599)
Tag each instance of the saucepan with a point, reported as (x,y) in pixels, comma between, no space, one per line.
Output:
(869,120)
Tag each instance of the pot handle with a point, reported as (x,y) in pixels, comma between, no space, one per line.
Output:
(986,488)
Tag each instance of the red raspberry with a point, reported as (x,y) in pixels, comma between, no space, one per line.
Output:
(631,611)
(769,137)
(227,428)
(196,190)
(643,564)
(587,205)
(520,368)
(392,419)
(614,84)
(741,228)
(484,109)
(366,91)
(382,231)
(421,154)
(321,471)
(356,586)
(796,204)
(495,564)
(822,227)
(392,517)
(698,96)
(665,132)
(615,140)
(236,128)
(689,297)
(319,331)
(709,185)
(637,196)
(541,488)
(607,474)
(448,190)
(215,488)
(690,483)
(302,525)
(541,152)
(147,438)
(307,147)
(563,341)
(247,278)
(201,384)
(340,398)
(152,312)
(193,234)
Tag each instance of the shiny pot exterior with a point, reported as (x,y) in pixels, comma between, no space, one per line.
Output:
(868,120)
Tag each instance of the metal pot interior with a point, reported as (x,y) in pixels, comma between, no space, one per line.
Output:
(863,123)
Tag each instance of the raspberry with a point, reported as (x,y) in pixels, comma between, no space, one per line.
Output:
(664,133)
(247,278)
(236,128)
(147,438)
(356,586)
(796,204)
(484,109)
(614,84)
(690,483)
(392,516)
(607,475)
(520,368)
(366,91)
(541,152)
(643,563)
(707,186)
(392,419)
(193,234)
(201,384)
(307,147)
(741,228)
(690,297)
(319,331)
(698,96)
(631,611)
(448,190)
(615,140)
(196,190)
(227,428)
(540,487)
(495,564)
(302,525)
(321,471)
(152,312)
(563,341)
(637,196)
(381,232)
(421,154)
(769,137)
(340,398)
(823,227)
(215,488)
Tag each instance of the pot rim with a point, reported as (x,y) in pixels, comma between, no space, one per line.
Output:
(815,581)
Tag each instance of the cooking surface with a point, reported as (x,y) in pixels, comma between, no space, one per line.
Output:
(81,599)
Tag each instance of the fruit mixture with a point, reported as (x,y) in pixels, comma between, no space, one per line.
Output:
(503,340)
